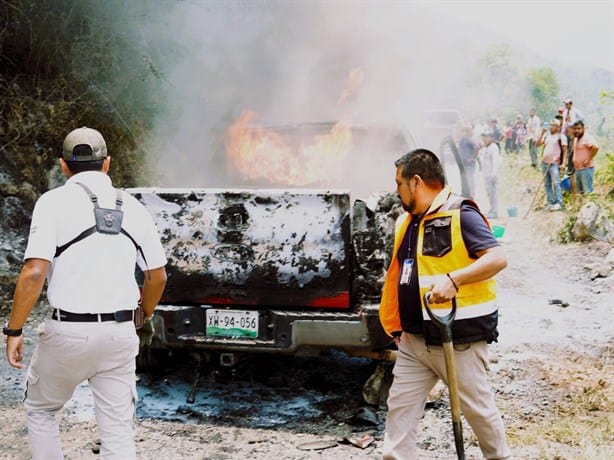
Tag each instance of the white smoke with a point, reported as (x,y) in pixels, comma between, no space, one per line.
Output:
(289,61)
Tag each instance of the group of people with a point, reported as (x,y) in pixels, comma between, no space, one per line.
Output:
(560,145)
(515,134)
(566,146)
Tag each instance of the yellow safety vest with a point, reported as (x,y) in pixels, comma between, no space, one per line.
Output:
(440,249)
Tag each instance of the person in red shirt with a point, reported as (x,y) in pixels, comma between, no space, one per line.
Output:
(585,148)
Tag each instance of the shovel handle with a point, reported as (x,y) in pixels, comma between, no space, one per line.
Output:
(443,322)
(445,326)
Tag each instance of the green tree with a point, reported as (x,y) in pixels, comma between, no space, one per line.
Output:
(69,63)
(544,88)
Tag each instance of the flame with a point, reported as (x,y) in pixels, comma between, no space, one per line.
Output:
(256,153)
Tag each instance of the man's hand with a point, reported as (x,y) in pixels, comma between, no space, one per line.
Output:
(14,351)
(442,290)
(146,332)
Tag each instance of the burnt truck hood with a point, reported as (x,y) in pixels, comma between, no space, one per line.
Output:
(271,248)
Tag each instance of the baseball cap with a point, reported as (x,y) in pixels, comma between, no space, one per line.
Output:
(84,144)
(567,100)
(556,122)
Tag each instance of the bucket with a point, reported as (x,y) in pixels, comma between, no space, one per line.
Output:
(512,211)
(566,184)
(498,231)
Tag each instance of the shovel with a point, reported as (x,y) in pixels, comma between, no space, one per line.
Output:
(445,326)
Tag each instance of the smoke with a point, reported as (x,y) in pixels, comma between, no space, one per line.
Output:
(289,62)
(197,65)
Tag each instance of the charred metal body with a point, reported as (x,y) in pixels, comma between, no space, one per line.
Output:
(270,270)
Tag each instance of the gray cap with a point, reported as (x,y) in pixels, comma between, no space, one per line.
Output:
(84,144)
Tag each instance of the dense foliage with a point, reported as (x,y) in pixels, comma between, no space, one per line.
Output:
(64,66)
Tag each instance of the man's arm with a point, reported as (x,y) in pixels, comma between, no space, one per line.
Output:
(153,287)
(29,287)
(541,138)
(489,263)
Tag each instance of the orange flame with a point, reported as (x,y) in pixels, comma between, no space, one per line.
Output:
(260,153)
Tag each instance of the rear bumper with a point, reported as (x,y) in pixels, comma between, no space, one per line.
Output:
(280,331)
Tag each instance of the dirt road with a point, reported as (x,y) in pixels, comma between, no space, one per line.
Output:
(552,368)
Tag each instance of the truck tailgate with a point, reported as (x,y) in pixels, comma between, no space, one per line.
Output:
(274,248)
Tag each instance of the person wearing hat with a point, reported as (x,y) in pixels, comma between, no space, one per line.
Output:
(585,148)
(85,239)
(555,151)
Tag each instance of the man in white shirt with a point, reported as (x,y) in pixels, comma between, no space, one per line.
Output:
(491,160)
(570,114)
(85,239)
(533,132)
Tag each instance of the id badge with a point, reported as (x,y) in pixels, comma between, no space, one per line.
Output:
(406,272)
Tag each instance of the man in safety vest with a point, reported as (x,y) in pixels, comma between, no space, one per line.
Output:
(442,245)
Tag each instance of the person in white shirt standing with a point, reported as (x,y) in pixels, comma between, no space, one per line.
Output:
(86,238)
(555,150)
(491,160)
(533,132)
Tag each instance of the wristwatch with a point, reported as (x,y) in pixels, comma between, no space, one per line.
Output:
(11,332)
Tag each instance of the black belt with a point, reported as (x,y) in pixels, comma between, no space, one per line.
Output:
(120,316)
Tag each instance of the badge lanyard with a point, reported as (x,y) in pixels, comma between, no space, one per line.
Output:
(408,263)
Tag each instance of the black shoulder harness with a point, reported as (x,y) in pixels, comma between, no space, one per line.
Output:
(108,221)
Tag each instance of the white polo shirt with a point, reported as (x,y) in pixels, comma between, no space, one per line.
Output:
(96,274)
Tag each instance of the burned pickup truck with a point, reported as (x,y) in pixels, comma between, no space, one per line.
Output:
(280,270)
(270,271)
(275,258)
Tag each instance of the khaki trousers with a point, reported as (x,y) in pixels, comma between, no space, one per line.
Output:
(66,355)
(416,370)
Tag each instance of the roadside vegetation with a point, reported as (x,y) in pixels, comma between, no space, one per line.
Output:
(63,66)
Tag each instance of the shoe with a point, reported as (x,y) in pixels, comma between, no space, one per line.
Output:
(555,207)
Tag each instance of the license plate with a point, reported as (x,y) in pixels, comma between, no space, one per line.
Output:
(232,323)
